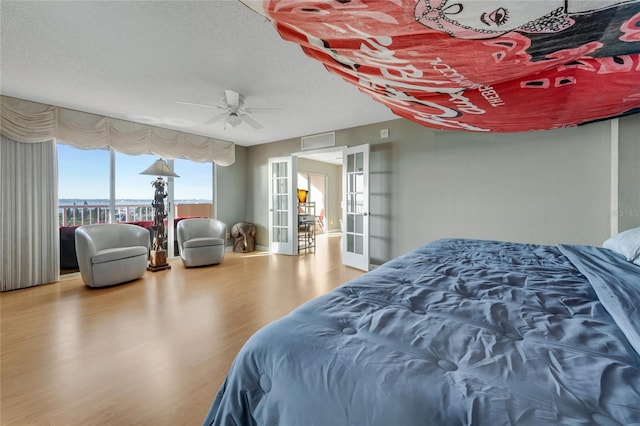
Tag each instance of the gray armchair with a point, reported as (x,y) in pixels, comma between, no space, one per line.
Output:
(201,241)
(111,253)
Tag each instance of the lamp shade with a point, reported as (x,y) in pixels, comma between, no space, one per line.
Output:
(159,168)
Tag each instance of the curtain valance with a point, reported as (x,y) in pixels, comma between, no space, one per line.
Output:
(27,121)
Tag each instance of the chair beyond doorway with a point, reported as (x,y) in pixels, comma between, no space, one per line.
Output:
(320,221)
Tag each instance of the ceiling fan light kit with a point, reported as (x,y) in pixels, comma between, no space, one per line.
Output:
(233,119)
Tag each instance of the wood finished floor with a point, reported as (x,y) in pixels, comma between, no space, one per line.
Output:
(150,352)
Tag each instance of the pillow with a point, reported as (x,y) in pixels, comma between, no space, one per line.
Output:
(611,244)
(627,243)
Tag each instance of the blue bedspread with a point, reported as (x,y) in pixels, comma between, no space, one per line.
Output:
(457,332)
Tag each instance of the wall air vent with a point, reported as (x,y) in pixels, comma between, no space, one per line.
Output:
(322,140)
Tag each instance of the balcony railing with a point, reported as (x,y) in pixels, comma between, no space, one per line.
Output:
(87,214)
(74,215)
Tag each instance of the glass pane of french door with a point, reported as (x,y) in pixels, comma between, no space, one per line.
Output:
(280,211)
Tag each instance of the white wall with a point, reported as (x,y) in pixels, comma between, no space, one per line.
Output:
(629,173)
(231,190)
(544,187)
(541,187)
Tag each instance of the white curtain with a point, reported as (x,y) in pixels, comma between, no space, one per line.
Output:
(27,121)
(28,209)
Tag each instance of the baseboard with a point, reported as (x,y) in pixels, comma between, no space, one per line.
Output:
(258,248)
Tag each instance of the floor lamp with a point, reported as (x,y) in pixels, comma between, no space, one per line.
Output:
(158,258)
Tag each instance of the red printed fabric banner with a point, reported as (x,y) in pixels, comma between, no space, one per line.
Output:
(476,65)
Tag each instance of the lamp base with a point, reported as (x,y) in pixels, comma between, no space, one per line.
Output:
(158,261)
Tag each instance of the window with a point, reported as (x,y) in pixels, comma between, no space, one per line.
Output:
(83,185)
(134,191)
(84,192)
(194,186)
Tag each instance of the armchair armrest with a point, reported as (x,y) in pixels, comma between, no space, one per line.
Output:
(85,250)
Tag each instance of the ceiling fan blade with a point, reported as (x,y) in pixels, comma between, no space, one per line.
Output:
(216,118)
(200,105)
(251,122)
(233,98)
(252,110)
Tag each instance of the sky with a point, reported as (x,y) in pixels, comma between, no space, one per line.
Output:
(84,174)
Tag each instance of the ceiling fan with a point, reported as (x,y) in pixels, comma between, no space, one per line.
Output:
(235,112)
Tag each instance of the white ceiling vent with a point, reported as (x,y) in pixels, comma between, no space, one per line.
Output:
(322,140)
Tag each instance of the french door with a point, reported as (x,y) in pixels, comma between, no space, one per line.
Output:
(355,214)
(283,215)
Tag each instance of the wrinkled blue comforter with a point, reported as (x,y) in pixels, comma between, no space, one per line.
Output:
(457,332)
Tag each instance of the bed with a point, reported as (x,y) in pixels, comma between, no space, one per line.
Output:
(457,331)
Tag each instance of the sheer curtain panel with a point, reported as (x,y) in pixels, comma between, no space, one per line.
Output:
(28,209)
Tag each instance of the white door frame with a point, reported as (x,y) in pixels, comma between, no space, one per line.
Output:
(339,152)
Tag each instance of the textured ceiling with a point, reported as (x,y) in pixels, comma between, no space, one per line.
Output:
(133,60)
